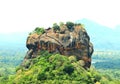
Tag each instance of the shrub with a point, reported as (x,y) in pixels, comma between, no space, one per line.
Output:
(69,69)
(72,59)
(56,27)
(61,24)
(38,30)
(42,76)
(78,24)
(70,25)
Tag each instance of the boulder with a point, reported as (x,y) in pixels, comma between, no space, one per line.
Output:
(69,43)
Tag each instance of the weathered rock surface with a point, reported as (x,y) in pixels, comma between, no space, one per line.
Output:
(67,42)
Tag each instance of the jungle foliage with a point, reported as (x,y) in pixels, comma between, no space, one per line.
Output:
(57,69)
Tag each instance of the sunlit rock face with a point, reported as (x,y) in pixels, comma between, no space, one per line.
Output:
(75,42)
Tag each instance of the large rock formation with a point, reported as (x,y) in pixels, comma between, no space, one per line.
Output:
(66,41)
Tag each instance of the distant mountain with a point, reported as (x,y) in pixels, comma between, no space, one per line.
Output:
(103,38)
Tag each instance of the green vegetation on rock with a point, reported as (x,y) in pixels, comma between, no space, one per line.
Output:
(70,25)
(56,27)
(38,31)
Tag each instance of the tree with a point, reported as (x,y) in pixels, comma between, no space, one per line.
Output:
(70,25)
(39,30)
(56,27)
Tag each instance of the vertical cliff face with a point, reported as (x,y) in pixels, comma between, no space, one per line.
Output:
(68,40)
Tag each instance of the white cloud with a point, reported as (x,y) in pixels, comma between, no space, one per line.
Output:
(25,15)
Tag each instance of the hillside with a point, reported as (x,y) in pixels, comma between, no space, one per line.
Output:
(57,69)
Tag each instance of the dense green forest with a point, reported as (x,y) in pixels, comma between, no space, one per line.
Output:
(57,69)
(10,58)
(107,62)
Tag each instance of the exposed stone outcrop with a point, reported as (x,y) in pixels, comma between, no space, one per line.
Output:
(67,42)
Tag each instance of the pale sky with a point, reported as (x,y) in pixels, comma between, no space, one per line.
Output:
(25,15)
